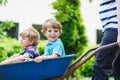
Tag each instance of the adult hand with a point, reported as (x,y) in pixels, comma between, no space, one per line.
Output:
(118,40)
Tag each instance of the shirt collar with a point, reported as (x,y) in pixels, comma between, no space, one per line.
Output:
(31,46)
(50,43)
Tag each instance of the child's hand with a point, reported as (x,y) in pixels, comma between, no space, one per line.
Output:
(38,59)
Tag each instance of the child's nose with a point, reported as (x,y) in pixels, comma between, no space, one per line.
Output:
(53,32)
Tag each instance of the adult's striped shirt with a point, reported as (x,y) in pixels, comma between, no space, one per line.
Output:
(108,14)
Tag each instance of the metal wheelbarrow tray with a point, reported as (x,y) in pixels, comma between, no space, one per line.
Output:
(50,69)
(35,71)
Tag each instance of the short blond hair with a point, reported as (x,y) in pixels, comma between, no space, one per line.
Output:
(32,34)
(51,23)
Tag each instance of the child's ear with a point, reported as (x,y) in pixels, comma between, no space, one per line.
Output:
(60,33)
(32,42)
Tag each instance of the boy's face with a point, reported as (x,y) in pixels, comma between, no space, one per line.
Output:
(52,34)
(25,42)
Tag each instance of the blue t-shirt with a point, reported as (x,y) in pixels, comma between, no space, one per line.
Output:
(55,47)
(30,51)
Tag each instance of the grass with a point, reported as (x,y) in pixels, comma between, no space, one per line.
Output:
(88,78)
(91,79)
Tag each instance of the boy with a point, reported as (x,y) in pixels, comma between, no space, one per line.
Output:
(54,47)
(29,39)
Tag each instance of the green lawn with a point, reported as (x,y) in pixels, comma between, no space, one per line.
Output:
(90,79)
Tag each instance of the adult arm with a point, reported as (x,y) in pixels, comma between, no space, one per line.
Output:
(118,16)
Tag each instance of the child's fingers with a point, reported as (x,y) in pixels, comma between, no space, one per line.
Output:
(38,59)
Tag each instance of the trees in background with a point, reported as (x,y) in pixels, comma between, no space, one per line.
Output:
(3,2)
(5,26)
(73,36)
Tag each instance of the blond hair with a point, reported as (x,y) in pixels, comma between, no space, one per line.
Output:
(51,23)
(32,34)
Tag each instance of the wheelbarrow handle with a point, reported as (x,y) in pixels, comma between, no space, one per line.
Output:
(104,47)
(82,56)
(97,49)
(101,48)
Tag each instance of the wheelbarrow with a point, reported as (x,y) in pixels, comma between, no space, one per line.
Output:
(49,69)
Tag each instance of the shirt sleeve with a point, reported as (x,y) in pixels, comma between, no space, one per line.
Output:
(32,52)
(58,50)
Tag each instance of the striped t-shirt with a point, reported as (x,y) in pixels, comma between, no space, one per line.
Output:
(31,51)
(108,14)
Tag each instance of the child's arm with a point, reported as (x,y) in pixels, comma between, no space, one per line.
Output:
(40,58)
(19,58)
(13,56)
